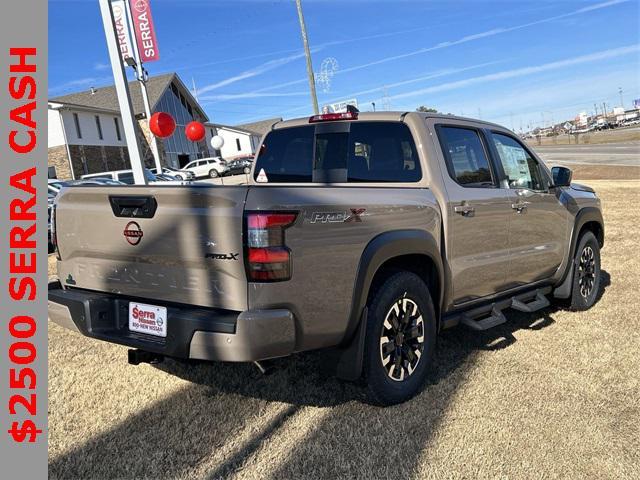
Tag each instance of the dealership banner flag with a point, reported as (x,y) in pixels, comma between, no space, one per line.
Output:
(145,31)
(23,249)
(122,29)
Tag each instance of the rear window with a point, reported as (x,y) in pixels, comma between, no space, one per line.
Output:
(355,152)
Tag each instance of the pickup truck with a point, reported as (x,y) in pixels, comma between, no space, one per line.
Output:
(363,233)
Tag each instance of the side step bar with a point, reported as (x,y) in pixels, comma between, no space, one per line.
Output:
(495,318)
(491,315)
(538,303)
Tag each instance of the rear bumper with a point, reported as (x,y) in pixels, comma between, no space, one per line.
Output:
(196,333)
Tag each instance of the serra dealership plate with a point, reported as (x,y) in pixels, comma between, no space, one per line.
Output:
(148,319)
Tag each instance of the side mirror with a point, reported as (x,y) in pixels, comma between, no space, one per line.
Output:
(561,176)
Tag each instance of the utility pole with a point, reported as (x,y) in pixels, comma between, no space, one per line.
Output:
(141,75)
(307,52)
(122,90)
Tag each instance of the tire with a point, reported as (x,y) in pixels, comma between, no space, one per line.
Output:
(392,381)
(180,177)
(213,173)
(586,273)
(247,170)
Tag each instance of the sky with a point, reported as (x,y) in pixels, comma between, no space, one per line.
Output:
(519,63)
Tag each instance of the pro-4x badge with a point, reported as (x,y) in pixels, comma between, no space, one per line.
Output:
(222,256)
(338,217)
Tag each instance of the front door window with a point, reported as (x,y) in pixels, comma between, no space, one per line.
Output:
(521,169)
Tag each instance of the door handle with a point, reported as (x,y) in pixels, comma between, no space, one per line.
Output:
(465,210)
(520,207)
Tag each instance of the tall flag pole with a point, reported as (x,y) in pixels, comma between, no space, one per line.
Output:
(122,90)
(141,74)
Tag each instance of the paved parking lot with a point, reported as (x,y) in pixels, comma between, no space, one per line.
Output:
(548,395)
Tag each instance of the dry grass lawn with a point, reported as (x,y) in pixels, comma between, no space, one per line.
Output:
(551,394)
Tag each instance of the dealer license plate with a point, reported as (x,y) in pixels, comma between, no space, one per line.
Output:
(148,319)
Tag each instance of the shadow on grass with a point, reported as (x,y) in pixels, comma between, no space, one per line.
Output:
(171,437)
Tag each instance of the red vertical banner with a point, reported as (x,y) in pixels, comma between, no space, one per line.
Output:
(145,31)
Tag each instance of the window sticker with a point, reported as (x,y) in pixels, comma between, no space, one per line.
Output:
(262,177)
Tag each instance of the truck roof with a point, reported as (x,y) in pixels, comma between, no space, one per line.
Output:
(390,116)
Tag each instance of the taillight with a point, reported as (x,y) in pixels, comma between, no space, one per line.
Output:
(267,257)
(329,117)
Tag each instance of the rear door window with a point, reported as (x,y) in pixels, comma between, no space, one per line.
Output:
(358,152)
(466,157)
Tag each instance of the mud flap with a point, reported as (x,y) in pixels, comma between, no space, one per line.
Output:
(349,362)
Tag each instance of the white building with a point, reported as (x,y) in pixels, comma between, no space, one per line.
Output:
(238,142)
(86,133)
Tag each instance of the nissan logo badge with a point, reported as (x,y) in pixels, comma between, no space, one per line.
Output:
(133,233)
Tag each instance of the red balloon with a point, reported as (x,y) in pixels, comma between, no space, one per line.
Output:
(195,131)
(162,124)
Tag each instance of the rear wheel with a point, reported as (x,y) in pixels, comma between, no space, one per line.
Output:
(400,339)
(213,173)
(586,274)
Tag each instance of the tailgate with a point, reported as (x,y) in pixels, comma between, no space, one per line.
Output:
(164,244)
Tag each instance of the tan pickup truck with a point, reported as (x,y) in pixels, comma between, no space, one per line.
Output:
(366,233)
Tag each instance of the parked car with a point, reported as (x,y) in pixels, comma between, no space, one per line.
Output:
(97,181)
(126,177)
(207,167)
(179,174)
(365,233)
(166,177)
(240,165)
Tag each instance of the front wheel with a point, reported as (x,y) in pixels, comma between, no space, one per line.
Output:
(586,274)
(213,174)
(400,339)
